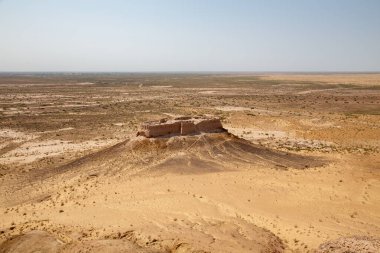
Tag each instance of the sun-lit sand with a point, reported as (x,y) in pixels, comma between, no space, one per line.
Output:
(298,168)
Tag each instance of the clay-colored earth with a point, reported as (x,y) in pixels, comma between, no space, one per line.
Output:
(299,170)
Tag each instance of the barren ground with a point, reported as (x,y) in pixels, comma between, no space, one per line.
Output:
(301,168)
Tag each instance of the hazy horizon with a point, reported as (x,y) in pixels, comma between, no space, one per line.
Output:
(193,72)
(193,36)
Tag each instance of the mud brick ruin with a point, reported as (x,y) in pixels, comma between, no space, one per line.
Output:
(181,126)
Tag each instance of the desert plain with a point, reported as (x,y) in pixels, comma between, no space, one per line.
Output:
(298,168)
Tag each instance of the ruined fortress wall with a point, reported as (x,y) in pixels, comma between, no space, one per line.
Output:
(188,128)
(209,125)
(181,126)
(164,129)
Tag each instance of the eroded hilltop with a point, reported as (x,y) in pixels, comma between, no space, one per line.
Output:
(182,146)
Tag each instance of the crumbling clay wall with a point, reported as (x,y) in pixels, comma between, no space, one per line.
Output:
(180,126)
(187,128)
(209,125)
(163,129)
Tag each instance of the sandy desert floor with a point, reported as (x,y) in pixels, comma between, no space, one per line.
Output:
(300,167)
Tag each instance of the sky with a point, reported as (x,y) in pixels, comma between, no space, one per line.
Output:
(189,35)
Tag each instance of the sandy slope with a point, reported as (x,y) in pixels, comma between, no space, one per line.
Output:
(133,187)
(141,199)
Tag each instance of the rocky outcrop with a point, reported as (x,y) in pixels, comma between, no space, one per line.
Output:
(181,126)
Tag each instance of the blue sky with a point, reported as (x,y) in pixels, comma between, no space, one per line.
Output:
(189,35)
